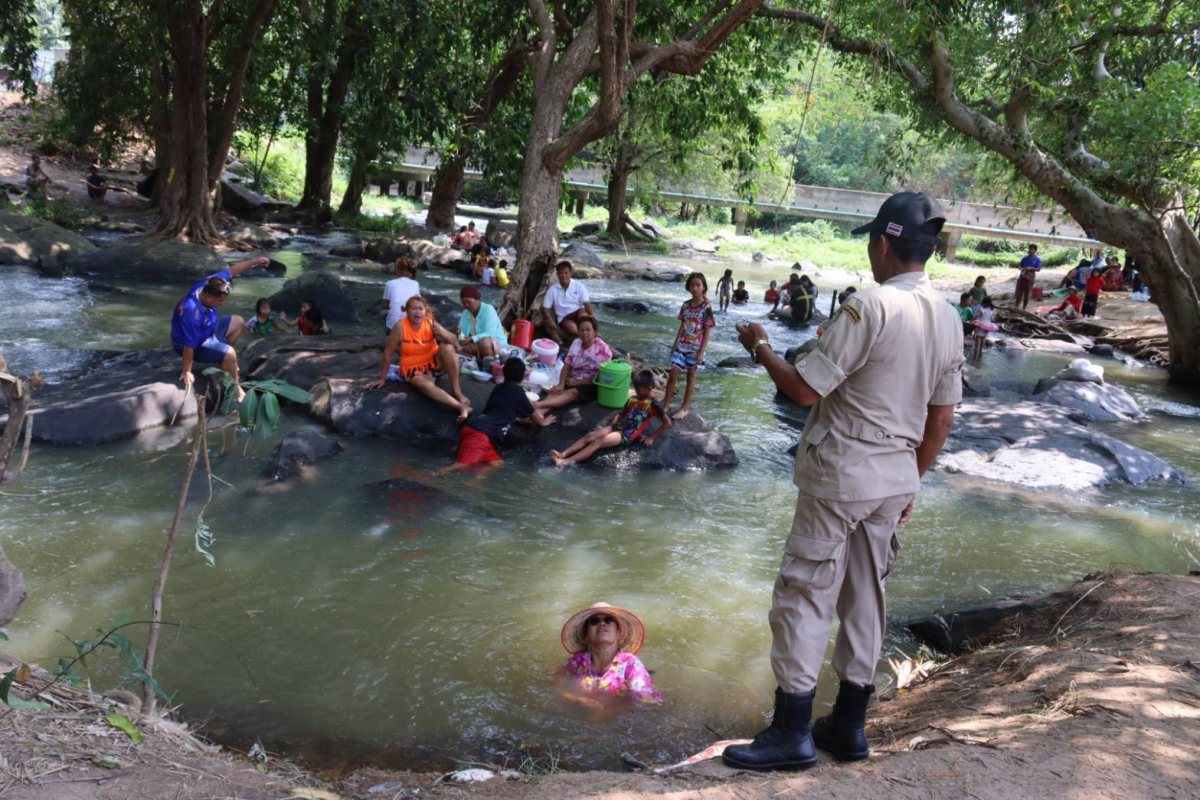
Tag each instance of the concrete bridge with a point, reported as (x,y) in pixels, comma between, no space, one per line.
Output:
(1052,226)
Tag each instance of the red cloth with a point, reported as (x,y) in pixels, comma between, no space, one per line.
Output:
(1095,284)
(474,448)
(1073,299)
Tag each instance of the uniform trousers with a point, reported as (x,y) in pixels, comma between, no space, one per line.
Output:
(836,559)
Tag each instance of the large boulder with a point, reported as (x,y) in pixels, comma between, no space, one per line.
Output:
(244,202)
(154,262)
(253,235)
(320,288)
(26,240)
(626,306)
(952,632)
(337,369)
(1043,346)
(1103,402)
(115,400)
(386,251)
(1038,446)
(588,228)
(501,233)
(582,254)
(650,270)
(297,450)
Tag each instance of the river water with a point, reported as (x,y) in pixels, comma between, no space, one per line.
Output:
(351,623)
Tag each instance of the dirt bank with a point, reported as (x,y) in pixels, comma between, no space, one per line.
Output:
(1097,696)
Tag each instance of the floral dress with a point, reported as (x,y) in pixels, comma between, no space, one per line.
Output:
(625,677)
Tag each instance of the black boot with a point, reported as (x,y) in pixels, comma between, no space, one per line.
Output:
(787,744)
(842,733)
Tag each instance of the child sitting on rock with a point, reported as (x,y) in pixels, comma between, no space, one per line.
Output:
(625,429)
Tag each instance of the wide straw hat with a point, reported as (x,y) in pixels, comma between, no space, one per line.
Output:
(631,629)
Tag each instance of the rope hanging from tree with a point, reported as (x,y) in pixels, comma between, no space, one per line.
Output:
(807,102)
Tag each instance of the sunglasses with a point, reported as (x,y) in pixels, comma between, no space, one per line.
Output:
(601,621)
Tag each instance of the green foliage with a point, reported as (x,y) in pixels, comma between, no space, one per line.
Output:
(1008,252)
(15,702)
(60,212)
(277,171)
(122,723)
(259,411)
(74,670)
(19,41)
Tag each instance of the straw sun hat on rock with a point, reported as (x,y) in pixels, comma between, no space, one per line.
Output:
(633,632)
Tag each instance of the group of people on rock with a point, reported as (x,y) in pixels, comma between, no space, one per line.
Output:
(977,313)
(1091,276)
(420,351)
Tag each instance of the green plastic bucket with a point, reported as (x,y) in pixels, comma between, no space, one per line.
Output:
(612,383)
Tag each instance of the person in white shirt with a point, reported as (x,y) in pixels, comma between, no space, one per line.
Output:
(397,291)
(565,301)
(489,273)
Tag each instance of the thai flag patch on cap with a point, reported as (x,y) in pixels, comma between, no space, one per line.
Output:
(893,229)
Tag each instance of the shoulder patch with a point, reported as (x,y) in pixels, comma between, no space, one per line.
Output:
(851,313)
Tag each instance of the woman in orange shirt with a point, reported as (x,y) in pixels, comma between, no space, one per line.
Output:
(426,351)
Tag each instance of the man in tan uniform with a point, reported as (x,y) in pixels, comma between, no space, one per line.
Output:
(882,383)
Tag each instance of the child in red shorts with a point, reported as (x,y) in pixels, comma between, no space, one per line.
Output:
(507,404)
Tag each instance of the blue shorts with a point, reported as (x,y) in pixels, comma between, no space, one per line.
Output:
(685,360)
(213,349)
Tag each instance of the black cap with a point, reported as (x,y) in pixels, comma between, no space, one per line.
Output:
(908,215)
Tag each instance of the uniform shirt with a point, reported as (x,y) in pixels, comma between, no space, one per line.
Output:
(565,301)
(888,354)
(192,322)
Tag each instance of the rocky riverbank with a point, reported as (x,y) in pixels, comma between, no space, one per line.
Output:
(1091,694)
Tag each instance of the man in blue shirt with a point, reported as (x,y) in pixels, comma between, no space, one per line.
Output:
(198,334)
(1029,266)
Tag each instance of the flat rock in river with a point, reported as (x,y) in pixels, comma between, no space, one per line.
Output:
(1038,446)
(1103,402)
(297,449)
(650,270)
(25,240)
(115,400)
(336,368)
(181,263)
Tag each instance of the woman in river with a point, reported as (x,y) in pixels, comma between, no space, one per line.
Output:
(580,366)
(604,641)
(426,351)
(480,333)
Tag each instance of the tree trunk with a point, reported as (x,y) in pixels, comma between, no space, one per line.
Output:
(360,175)
(184,193)
(1170,265)
(18,394)
(537,219)
(320,149)
(326,108)
(447,188)
(618,186)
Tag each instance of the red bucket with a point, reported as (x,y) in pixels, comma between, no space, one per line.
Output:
(522,334)
(1037,293)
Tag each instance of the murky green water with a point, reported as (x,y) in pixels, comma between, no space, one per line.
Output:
(429,631)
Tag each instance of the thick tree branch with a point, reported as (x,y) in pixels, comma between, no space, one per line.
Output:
(879,51)
(225,114)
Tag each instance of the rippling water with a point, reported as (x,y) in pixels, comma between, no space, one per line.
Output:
(426,631)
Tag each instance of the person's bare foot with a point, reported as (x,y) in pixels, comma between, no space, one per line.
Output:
(681,413)
(241,394)
(463,413)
